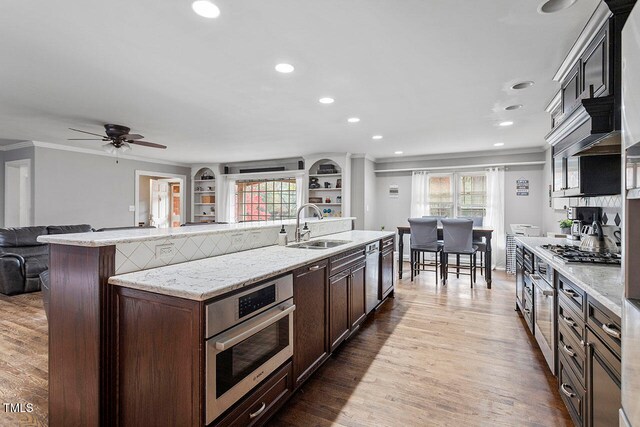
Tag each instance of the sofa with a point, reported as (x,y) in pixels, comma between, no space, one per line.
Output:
(23,258)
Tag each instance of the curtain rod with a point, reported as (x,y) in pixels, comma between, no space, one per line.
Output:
(487,165)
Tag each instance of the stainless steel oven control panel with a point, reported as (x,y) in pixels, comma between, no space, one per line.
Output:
(228,312)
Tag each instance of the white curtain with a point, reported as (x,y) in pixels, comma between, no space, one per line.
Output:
(227,201)
(495,215)
(419,194)
(300,191)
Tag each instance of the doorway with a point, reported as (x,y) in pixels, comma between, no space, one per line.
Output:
(160,199)
(17,193)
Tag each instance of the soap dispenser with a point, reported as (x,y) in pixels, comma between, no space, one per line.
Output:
(306,233)
(282,237)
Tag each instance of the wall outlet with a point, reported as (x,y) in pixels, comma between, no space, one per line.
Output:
(165,251)
(132,208)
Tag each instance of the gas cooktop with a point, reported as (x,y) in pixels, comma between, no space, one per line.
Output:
(571,254)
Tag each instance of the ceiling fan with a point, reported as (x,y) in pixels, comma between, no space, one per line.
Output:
(117,139)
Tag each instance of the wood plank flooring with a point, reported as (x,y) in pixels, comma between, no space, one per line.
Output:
(434,356)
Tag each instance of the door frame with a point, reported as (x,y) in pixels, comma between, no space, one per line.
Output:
(181,178)
(10,164)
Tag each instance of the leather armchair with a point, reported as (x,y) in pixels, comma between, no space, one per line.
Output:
(23,258)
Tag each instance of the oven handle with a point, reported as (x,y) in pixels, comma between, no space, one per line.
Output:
(260,325)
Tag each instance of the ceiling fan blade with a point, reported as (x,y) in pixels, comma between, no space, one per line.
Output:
(147,144)
(90,133)
(131,136)
(84,139)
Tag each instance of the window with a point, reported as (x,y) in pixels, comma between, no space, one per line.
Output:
(265,199)
(458,194)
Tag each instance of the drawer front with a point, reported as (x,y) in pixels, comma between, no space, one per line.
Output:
(603,351)
(345,260)
(527,256)
(388,244)
(569,318)
(572,294)
(605,325)
(263,402)
(573,352)
(572,393)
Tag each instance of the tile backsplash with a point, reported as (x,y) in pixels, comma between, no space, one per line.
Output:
(611,207)
(135,256)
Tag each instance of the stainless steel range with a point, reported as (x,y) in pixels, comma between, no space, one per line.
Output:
(570,254)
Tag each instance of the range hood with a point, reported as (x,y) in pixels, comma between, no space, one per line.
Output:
(602,144)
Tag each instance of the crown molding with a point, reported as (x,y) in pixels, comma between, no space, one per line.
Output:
(599,18)
(61,147)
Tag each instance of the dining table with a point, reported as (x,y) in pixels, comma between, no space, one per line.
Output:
(478,233)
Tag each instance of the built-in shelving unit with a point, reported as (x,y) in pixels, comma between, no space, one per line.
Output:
(204,196)
(325,189)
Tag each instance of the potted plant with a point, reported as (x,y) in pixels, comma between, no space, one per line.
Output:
(565,226)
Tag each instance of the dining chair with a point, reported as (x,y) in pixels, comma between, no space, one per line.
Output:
(424,239)
(458,240)
(480,242)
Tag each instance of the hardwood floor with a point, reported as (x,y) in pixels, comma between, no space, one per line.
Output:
(23,359)
(434,356)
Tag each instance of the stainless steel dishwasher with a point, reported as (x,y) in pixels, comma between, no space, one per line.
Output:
(373,276)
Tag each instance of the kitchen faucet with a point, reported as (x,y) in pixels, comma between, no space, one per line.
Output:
(299,234)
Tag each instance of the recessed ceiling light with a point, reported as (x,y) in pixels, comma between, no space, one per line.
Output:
(553,6)
(205,9)
(376,137)
(503,124)
(522,85)
(498,144)
(397,152)
(353,119)
(513,107)
(284,68)
(326,100)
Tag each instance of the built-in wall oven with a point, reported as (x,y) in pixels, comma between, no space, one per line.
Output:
(249,335)
(544,301)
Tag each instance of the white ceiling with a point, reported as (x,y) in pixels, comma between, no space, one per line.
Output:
(432,76)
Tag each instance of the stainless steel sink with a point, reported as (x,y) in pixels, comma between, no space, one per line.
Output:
(319,244)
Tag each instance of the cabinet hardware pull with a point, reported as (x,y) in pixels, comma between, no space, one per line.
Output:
(314,268)
(526,310)
(547,293)
(569,321)
(258,412)
(569,293)
(610,330)
(564,387)
(568,350)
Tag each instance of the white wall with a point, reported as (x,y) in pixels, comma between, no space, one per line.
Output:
(364,194)
(20,154)
(74,188)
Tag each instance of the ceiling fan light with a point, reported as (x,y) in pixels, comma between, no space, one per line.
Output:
(125,147)
(109,148)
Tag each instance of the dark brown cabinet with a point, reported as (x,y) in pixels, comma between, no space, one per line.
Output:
(339,308)
(586,175)
(603,383)
(311,330)
(357,311)
(386,267)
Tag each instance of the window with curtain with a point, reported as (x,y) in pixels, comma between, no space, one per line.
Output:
(265,199)
(457,194)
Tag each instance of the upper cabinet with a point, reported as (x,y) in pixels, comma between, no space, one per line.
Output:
(585,113)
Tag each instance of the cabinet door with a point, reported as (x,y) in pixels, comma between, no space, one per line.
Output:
(571,91)
(338,308)
(311,340)
(559,173)
(357,310)
(519,284)
(595,67)
(573,172)
(386,282)
(603,384)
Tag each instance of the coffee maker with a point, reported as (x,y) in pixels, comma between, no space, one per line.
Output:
(580,216)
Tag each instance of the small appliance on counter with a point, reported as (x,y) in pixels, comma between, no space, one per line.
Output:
(527,230)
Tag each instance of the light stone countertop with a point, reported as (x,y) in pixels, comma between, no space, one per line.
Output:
(603,283)
(109,238)
(210,277)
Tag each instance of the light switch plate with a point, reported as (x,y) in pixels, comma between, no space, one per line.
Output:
(165,251)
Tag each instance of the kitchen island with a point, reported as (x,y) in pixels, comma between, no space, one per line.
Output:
(136,348)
